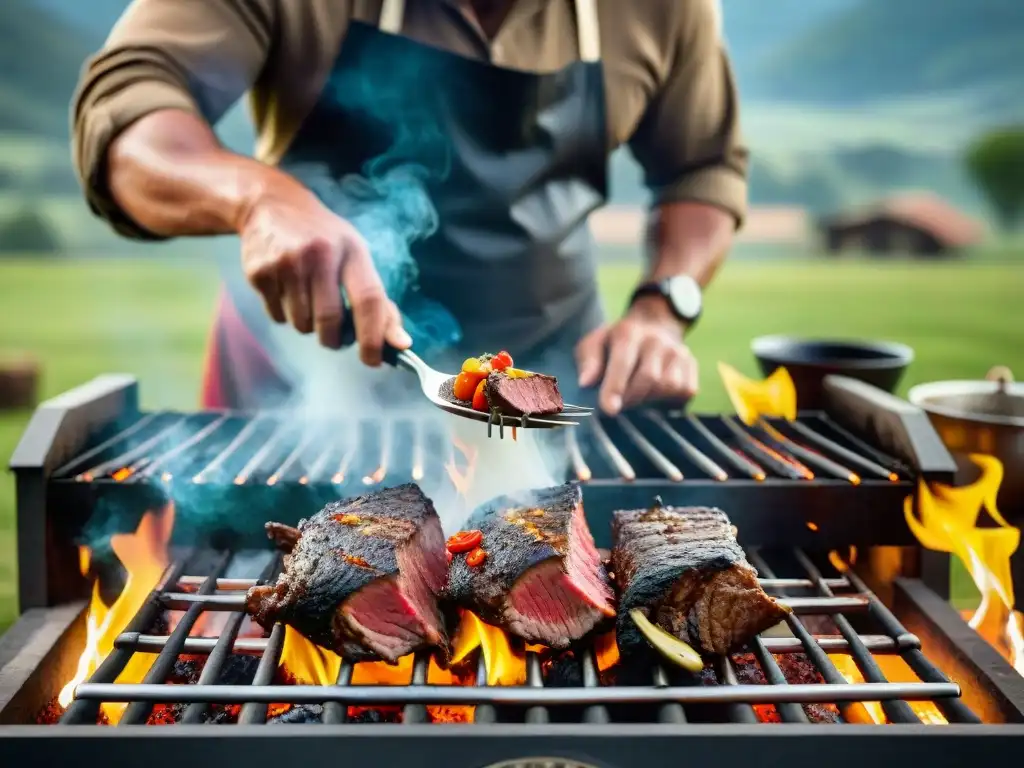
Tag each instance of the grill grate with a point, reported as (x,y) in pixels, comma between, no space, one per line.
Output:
(845,601)
(268,449)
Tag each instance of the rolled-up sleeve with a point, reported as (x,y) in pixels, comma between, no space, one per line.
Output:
(193,55)
(688,141)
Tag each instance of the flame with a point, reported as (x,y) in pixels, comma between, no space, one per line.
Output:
(505,665)
(310,664)
(840,563)
(774,396)
(947,521)
(895,670)
(144,556)
(462,479)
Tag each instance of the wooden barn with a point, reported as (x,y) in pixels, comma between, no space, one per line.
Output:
(919,224)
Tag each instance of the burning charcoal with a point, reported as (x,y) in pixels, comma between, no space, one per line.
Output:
(683,568)
(303,713)
(354,567)
(563,671)
(239,669)
(374,715)
(533,570)
(187,670)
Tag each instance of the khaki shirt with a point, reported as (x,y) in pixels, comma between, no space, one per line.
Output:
(669,87)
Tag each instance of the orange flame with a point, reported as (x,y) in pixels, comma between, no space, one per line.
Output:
(896,671)
(947,521)
(773,397)
(505,665)
(144,556)
(462,479)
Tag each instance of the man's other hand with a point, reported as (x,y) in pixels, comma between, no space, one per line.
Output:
(297,253)
(640,357)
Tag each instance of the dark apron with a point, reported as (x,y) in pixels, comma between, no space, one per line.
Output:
(513,163)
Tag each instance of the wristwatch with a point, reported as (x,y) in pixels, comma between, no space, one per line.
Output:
(682,294)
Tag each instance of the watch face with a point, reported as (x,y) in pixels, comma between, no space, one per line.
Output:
(685,295)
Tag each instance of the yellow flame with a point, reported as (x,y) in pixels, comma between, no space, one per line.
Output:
(144,557)
(505,665)
(947,521)
(895,670)
(773,397)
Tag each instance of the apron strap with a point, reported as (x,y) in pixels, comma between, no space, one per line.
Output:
(588,30)
(392,14)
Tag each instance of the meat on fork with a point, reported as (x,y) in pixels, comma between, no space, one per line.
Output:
(684,569)
(361,577)
(542,579)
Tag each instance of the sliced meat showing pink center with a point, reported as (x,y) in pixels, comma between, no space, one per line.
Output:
(557,601)
(384,620)
(423,566)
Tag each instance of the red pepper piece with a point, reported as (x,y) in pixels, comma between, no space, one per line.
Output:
(476,557)
(479,398)
(464,541)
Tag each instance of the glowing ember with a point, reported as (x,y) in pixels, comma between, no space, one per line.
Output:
(947,521)
(895,671)
(775,396)
(840,563)
(144,557)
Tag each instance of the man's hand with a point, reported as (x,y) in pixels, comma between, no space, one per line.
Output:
(296,253)
(642,357)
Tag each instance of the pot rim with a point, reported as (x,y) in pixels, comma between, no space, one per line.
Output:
(892,354)
(919,395)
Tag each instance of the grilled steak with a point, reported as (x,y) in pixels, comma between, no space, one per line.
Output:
(533,393)
(361,577)
(683,567)
(542,579)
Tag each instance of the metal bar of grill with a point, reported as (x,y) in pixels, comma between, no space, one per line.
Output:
(223,647)
(535,680)
(656,457)
(689,449)
(742,463)
(737,712)
(137,712)
(83,711)
(830,446)
(824,464)
(255,710)
(92,453)
(335,712)
(161,461)
(537,697)
(789,713)
(236,443)
(199,646)
(135,457)
(781,464)
(178,601)
(896,711)
(671,712)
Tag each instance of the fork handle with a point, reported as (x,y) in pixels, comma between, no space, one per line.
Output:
(348,335)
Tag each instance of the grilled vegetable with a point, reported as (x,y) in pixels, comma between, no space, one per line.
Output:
(466,384)
(480,398)
(476,557)
(501,361)
(672,648)
(464,541)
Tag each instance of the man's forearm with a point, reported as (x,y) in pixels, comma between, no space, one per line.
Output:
(169,173)
(688,238)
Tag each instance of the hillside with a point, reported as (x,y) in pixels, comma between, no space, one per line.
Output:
(883,49)
(40,57)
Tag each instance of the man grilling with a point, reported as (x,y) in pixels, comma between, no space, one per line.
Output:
(529,97)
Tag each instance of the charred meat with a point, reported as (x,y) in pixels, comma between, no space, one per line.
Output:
(361,577)
(682,567)
(529,565)
(491,383)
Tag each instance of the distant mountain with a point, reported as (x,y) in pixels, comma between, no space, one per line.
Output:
(756,29)
(883,49)
(40,57)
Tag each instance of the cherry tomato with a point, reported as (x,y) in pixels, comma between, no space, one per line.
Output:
(472,365)
(464,541)
(501,361)
(476,557)
(465,385)
(480,399)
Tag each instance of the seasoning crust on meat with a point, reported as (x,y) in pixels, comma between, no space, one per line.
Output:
(361,577)
(683,567)
(542,579)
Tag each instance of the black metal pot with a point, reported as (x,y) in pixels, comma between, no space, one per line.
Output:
(809,361)
(982,417)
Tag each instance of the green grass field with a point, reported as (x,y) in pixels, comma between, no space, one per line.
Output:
(150,318)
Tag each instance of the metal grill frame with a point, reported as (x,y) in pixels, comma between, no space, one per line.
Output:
(671,701)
